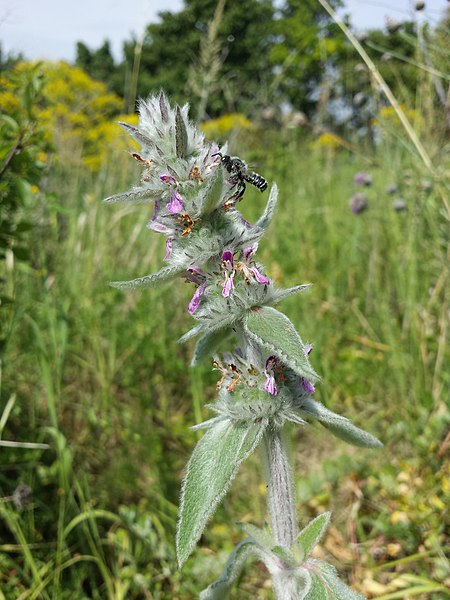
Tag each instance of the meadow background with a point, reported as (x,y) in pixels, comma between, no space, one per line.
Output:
(96,376)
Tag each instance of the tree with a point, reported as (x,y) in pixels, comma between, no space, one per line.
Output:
(98,64)
(307,47)
(171,47)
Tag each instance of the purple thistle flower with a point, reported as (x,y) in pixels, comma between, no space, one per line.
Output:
(363,178)
(358,203)
(196,298)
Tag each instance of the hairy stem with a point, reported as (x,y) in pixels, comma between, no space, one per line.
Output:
(280,489)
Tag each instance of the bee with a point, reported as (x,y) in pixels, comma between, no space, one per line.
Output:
(240,174)
(147,162)
(188,223)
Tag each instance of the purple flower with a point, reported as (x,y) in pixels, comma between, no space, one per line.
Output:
(307,386)
(260,278)
(196,298)
(159,227)
(250,251)
(358,203)
(195,275)
(169,179)
(227,257)
(228,267)
(154,225)
(307,349)
(168,248)
(363,178)
(175,204)
(228,284)
(270,385)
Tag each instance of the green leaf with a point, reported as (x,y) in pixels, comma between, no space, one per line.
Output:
(134,195)
(213,192)
(12,123)
(265,219)
(285,555)
(262,536)
(327,585)
(207,345)
(274,331)
(181,138)
(339,426)
(219,589)
(210,471)
(311,534)
(148,281)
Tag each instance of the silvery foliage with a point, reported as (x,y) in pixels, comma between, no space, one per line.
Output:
(266,378)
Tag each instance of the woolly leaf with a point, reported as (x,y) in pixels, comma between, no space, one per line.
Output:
(134,195)
(326,584)
(265,219)
(213,193)
(210,471)
(292,583)
(181,138)
(163,108)
(190,334)
(311,534)
(137,135)
(274,331)
(261,536)
(219,589)
(207,345)
(287,558)
(339,426)
(279,295)
(148,281)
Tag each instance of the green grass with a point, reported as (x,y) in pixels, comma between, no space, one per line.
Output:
(99,376)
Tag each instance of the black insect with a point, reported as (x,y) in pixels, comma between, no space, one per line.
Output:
(239,175)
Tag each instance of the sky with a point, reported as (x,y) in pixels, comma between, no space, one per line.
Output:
(49,29)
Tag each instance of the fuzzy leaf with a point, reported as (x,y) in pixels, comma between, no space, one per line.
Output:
(190,334)
(290,584)
(213,192)
(142,139)
(279,295)
(219,589)
(265,219)
(311,534)
(210,471)
(148,281)
(326,584)
(163,108)
(284,554)
(339,426)
(274,331)
(134,195)
(207,345)
(181,138)
(261,536)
